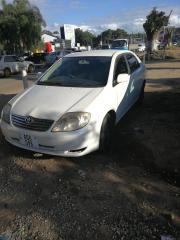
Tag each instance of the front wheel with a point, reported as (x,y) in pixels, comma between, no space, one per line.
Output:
(141,95)
(30,68)
(106,133)
(7,72)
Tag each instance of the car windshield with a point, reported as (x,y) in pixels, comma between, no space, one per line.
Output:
(78,72)
(119,43)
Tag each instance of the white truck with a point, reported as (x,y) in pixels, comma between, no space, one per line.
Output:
(10,64)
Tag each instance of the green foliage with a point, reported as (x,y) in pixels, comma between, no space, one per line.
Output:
(20,25)
(154,21)
(83,37)
(56,32)
(109,35)
(87,38)
(47,32)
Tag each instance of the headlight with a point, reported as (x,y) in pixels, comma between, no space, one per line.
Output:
(72,121)
(6,113)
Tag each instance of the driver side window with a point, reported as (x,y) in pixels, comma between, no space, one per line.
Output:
(120,68)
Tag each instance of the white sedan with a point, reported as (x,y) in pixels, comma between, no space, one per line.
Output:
(10,64)
(72,109)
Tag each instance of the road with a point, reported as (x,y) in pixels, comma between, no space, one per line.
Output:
(133,193)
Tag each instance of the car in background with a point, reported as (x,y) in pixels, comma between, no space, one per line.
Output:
(121,44)
(11,64)
(105,46)
(176,43)
(74,106)
(141,47)
(38,58)
(54,56)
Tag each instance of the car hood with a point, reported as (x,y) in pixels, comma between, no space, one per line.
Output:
(51,102)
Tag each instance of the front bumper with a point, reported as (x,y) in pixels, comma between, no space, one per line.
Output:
(74,144)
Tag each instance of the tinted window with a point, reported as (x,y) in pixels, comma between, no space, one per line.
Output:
(0,58)
(10,59)
(121,67)
(78,72)
(67,52)
(133,62)
(119,43)
(38,58)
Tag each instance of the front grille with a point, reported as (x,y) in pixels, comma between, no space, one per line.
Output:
(34,124)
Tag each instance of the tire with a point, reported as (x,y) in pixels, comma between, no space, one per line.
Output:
(141,96)
(30,68)
(106,133)
(7,72)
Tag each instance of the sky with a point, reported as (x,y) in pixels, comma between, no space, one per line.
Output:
(99,15)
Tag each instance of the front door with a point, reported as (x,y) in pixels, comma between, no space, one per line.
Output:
(121,89)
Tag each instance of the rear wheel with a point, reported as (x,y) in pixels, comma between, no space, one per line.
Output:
(30,68)
(7,72)
(141,95)
(106,133)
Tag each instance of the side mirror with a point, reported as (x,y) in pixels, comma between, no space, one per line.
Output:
(124,77)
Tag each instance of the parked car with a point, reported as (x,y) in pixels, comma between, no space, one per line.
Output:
(121,44)
(72,109)
(54,56)
(176,43)
(10,64)
(141,47)
(106,46)
(38,58)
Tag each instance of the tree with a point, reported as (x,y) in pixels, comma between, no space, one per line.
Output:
(154,22)
(56,32)
(84,37)
(108,35)
(20,25)
(169,35)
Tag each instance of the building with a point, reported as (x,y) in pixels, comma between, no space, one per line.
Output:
(48,38)
(68,34)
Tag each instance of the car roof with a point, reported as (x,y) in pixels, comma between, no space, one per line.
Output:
(97,53)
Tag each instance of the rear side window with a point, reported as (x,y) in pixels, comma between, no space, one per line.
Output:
(9,59)
(0,58)
(133,62)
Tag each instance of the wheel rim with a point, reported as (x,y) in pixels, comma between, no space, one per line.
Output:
(30,68)
(106,135)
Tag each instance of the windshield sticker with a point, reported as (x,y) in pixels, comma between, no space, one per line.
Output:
(83,61)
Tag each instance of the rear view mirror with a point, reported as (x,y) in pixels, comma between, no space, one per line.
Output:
(124,77)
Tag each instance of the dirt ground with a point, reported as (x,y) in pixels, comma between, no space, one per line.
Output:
(133,193)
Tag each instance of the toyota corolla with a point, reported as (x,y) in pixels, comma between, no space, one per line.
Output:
(73,107)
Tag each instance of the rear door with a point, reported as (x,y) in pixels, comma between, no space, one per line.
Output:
(137,77)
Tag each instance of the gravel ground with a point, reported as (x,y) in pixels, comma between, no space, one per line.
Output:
(132,193)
